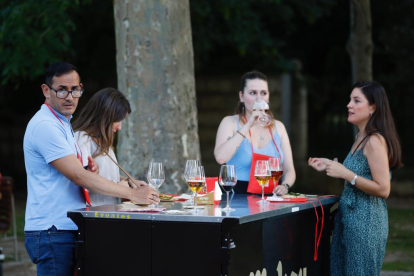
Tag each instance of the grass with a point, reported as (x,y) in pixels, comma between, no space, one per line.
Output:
(399,254)
(400,245)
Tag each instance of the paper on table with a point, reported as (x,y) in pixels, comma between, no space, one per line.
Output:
(177,212)
(217,192)
(275,198)
(183,196)
(192,207)
(142,209)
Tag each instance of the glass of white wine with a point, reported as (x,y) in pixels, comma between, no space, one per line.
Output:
(227,180)
(155,177)
(188,165)
(196,181)
(276,168)
(262,175)
(265,119)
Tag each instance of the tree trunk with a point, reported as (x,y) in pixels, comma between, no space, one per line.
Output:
(156,73)
(360,45)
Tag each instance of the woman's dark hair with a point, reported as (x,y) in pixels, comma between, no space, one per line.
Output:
(106,107)
(240,109)
(381,120)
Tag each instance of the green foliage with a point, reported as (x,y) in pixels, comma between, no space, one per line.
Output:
(33,34)
(259,29)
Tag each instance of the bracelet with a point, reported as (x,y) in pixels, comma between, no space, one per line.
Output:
(241,134)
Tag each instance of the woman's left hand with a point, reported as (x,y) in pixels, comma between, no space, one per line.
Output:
(123,183)
(335,169)
(281,190)
(92,165)
(139,182)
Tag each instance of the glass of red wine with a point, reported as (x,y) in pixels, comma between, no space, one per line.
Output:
(227,180)
(276,168)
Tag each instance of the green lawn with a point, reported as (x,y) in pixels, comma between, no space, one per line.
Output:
(400,246)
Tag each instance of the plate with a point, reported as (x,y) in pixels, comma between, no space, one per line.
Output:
(130,203)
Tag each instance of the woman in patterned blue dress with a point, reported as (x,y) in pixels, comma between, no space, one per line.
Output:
(361,225)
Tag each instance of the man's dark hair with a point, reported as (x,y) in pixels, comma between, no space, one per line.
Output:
(57,69)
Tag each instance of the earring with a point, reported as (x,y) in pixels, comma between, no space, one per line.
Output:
(370,114)
(242,107)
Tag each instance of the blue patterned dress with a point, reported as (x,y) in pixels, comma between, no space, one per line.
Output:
(361,226)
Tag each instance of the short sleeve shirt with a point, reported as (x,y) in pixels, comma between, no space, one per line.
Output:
(50,194)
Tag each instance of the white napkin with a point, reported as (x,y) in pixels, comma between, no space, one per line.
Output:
(217,192)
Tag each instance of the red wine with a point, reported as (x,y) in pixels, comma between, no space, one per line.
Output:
(276,175)
(227,187)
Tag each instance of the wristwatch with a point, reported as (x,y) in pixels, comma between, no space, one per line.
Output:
(354,180)
(286,185)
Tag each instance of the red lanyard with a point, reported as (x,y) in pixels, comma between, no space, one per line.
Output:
(79,156)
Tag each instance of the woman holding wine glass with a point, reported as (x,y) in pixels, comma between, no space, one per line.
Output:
(242,139)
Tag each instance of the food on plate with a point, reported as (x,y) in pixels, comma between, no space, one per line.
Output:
(165,197)
(294,195)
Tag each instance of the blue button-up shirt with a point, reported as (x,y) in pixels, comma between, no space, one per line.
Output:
(50,193)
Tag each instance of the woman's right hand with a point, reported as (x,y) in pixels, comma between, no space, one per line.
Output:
(253,120)
(318,164)
(144,195)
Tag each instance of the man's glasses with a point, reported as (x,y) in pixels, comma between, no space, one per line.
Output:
(63,94)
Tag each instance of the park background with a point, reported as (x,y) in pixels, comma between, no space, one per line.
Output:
(303,46)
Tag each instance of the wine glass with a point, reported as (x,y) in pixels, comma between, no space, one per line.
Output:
(188,164)
(265,119)
(227,180)
(155,177)
(276,168)
(262,175)
(196,181)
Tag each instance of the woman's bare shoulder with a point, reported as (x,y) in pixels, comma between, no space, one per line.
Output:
(280,126)
(375,142)
(229,120)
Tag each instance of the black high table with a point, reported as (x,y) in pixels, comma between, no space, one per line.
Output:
(277,237)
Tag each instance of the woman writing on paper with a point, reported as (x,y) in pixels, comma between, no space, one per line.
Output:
(241,139)
(361,224)
(95,130)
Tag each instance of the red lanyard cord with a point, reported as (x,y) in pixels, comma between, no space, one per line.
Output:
(271,135)
(317,238)
(79,156)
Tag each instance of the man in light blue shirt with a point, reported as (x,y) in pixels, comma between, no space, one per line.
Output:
(55,175)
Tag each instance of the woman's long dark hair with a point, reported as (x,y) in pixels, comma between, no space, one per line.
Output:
(106,107)
(240,108)
(381,120)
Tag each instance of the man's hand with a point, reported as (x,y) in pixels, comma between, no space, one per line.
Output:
(92,165)
(144,195)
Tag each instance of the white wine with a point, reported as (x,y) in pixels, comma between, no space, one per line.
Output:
(196,185)
(262,179)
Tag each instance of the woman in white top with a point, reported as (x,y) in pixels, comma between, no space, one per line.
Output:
(95,130)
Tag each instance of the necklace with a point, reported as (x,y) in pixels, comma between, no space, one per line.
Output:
(261,137)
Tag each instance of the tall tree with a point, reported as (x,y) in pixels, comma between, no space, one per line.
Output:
(156,72)
(360,46)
